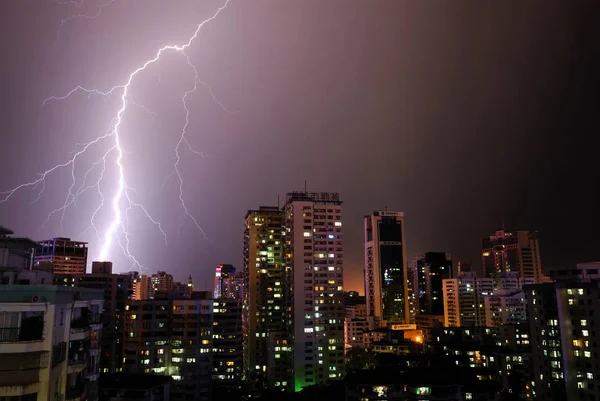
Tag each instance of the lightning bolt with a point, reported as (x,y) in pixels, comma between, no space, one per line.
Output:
(78,16)
(122,203)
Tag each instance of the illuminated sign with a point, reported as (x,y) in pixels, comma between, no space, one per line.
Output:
(404,327)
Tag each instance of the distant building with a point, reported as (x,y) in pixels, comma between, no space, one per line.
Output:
(49,346)
(159,282)
(134,387)
(505,307)
(62,256)
(117,290)
(180,330)
(355,320)
(463,266)
(517,251)
(464,297)
(428,272)
(16,253)
(228,283)
(386,273)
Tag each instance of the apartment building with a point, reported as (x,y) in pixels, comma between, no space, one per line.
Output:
(564,319)
(117,290)
(314,256)
(266,311)
(172,335)
(49,342)
(61,256)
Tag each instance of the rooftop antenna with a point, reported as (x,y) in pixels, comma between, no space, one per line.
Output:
(305,190)
(277,201)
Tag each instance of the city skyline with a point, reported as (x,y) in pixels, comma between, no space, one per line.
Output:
(428,123)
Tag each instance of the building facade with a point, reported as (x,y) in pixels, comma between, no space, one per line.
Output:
(386,274)
(516,251)
(62,256)
(49,342)
(564,318)
(266,313)
(172,336)
(313,254)
(429,271)
(117,290)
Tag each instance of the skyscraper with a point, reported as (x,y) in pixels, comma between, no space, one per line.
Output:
(516,251)
(313,257)
(265,314)
(429,271)
(62,256)
(386,275)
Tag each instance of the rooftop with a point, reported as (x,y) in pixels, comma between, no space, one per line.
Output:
(5,231)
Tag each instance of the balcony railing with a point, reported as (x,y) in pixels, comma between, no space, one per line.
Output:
(18,377)
(15,334)
(80,323)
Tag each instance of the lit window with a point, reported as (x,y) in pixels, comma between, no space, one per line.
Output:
(338,223)
(585,333)
(307,234)
(583,322)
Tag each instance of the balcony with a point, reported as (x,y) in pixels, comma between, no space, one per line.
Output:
(75,393)
(80,329)
(23,333)
(77,363)
(19,372)
(26,338)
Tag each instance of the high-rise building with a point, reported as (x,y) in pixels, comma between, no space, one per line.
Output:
(564,319)
(386,275)
(516,251)
(314,257)
(62,256)
(429,271)
(227,363)
(266,309)
(172,335)
(117,290)
(49,347)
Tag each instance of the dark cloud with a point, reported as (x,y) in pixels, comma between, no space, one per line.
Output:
(461,114)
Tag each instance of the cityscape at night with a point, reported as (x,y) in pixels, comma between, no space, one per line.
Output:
(299,200)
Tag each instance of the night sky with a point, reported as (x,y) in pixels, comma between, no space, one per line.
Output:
(462,114)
